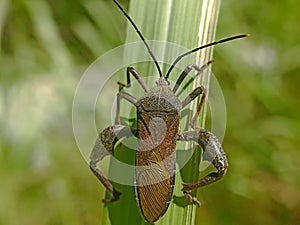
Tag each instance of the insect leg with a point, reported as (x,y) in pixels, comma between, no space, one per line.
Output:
(186,72)
(132,71)
(212,152)
(194,94)
(126,96)
(105,146)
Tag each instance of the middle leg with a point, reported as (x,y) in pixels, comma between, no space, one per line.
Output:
(194,94)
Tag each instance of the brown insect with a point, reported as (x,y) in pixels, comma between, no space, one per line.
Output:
(158,117)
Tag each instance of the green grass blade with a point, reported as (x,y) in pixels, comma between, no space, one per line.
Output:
(189,24)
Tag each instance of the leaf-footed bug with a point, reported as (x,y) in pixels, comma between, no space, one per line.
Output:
(158,117)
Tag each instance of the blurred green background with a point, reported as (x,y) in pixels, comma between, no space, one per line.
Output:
(47,45)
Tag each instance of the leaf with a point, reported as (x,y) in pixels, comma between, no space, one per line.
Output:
(189,24)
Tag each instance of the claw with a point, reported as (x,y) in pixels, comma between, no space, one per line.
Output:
(116,197)
(192,199)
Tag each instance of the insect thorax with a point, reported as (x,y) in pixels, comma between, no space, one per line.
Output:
(160,98)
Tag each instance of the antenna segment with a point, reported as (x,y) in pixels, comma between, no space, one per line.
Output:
(141,36)
(201,47)
(179,57)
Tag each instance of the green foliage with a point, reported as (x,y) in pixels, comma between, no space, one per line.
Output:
(46,46)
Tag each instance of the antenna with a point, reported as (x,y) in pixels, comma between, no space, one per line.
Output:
(201,47)
(141,36)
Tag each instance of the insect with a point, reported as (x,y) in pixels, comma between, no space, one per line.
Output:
(158,117)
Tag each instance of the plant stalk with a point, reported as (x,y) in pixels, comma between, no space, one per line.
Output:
(189,24)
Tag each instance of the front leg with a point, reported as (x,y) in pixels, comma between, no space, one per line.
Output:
(213,152)
(105,146)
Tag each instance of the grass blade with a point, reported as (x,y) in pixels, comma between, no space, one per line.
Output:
(189,24)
